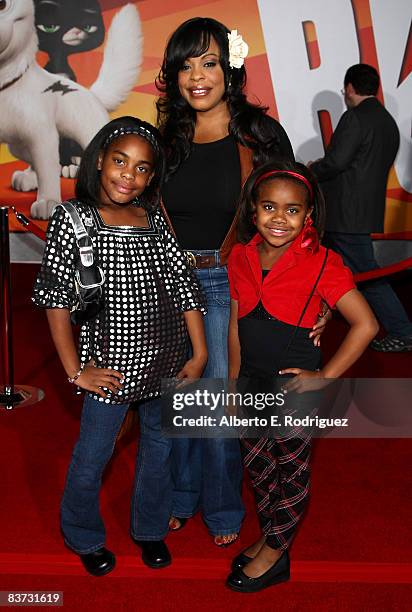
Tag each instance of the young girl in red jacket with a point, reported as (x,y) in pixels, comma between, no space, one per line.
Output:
(278,276)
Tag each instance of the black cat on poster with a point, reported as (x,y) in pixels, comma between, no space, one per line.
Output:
(65,27)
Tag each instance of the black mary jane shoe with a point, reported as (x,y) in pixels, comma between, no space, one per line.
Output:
(279,572)
(99,562)
(240,561)
(155,553)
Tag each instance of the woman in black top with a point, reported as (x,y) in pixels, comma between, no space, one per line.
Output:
(214,137)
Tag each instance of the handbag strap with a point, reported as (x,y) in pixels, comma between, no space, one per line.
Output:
(302,314)
(167,219)
(84,242)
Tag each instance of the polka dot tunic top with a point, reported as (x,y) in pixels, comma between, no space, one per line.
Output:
(148,285)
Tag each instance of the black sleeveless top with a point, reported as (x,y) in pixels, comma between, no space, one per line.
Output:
(201,197)
(265,348)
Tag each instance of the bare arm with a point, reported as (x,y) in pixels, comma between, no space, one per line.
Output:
(62,334)
(233,341)
(363,328)
(194,367)
(92,378)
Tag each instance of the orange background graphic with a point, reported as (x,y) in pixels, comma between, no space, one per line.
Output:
(159,19)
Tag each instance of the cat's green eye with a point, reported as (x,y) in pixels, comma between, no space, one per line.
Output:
(90,29)
(49,29)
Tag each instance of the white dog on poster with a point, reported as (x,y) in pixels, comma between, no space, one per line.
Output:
(37,106)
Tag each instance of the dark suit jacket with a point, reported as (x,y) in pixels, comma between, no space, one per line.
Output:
(354,172)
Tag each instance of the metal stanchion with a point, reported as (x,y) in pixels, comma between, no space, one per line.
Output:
(11,396)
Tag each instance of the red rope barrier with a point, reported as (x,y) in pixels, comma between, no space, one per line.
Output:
(29,225)
(392,268)
(360,277)
(385,271)
(393,236)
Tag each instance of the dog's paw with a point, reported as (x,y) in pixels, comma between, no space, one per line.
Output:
(42,209)
(24,180)
(72,170)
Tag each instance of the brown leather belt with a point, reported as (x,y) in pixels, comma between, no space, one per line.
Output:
(202,261)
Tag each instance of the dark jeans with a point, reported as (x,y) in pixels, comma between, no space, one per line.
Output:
(207,472)
(151,503)
(357,253)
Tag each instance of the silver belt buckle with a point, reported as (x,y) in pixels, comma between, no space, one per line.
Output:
(191,259)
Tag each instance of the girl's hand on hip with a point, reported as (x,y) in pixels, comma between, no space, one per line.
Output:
(304,380)
(96,379)
(193,368)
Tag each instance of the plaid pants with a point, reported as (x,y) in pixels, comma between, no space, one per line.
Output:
(279,471)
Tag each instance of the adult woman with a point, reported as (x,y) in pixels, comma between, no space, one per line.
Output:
(214,137)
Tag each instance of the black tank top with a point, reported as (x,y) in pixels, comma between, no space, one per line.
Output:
(201,197)
(264,344)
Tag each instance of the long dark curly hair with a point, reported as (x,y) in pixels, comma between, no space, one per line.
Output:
(176,119)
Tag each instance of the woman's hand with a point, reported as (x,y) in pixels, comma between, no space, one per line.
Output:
(95,379)
(304,380)
(317,330)
(193,368)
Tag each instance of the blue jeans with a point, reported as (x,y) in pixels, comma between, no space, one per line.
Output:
(151,503)
(357,253)
(207,472)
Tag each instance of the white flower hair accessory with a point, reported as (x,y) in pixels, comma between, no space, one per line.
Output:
(238,49)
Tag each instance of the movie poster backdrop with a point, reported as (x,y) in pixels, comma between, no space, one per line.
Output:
(298,54)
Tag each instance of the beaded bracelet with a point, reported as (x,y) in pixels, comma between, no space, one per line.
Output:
(76,376)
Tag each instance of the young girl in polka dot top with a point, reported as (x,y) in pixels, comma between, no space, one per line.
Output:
(152,303)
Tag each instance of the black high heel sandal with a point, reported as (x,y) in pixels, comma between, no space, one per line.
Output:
(225,544)
(182,522)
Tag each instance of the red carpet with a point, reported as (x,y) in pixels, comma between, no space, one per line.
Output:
(353,551)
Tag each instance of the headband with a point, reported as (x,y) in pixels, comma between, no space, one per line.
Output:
(139,131)
(295,175)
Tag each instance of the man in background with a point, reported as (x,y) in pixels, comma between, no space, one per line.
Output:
(353,175)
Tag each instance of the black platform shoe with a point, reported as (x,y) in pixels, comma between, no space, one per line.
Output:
(155,553)
(279,572)
(98,563)
(240,561)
